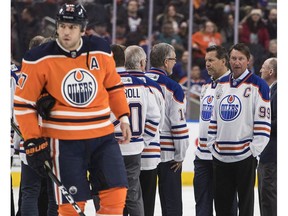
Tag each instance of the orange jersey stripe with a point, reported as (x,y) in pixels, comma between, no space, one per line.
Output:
(180,132)
(233,148)
(151,150)
(262,129)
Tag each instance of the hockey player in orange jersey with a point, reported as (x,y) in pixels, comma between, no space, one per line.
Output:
(77,136)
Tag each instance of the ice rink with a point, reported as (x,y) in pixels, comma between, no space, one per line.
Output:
(188,203)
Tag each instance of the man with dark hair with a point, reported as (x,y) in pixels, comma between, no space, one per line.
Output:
(77,137)
(216,59)
(238,132)
(118,55)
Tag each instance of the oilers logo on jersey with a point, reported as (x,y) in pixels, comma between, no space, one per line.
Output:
(207,107)
(79,87)
(230,108)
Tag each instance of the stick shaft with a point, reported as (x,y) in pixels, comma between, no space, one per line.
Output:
(62,188)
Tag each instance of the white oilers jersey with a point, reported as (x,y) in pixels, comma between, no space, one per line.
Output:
(207,99)
(174,136)
(240,123)
(150,156)
(144,116)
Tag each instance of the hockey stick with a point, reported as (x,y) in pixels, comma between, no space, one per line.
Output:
(62,188)
(15,128)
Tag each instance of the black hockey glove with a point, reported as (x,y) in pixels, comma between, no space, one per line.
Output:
(37,152)
(44,105)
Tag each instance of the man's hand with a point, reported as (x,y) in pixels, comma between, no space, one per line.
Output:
(37,152)
(44,105)
(176,165)
(126,131)
(125,128)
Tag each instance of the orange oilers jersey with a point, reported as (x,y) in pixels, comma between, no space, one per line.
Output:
(84,83)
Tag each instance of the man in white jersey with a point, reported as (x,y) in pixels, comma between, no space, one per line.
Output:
(238,132)
(144,120)
(135,63)
(174,136)
(217,65)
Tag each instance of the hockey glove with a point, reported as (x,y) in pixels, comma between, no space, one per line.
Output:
(44,105)
(37,152)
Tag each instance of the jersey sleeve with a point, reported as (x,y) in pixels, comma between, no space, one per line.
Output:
(151,154)
(28,90)
(153,115)
(262,121)
(179,129)
(160,101)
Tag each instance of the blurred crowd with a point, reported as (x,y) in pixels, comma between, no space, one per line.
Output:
(213,24)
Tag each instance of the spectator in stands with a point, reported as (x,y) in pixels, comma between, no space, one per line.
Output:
(99,29)
(32,27)
(182,7)
(200,13)
(254,33)
(168,35)
(196,82)
(158,8)
(270,53)
(272,50)
(251,64)
(272,23)
(132,16)
(170,14)
(138,38)
(180,68)
(216,13)
(45,7)
(227,31)
(202,39)
(121,32)
(244,13)
(183,33)
(97,12)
